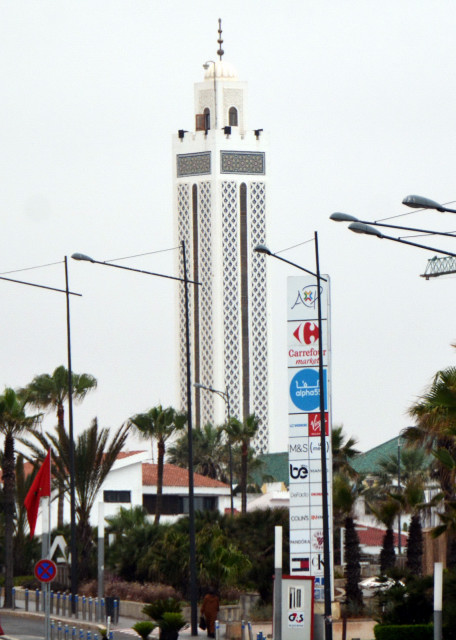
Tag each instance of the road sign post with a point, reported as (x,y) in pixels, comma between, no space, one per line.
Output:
(46,572)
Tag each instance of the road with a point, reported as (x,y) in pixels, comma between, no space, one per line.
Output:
(23,627)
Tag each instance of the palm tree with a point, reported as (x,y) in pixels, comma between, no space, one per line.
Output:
(344,497)
(50,392)
(209,452)
(386,510)
(159,424)
(94,456)
(13,422)
(343,452)
(435,412)
(241,433)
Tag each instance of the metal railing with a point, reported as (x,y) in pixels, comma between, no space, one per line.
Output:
(86,608)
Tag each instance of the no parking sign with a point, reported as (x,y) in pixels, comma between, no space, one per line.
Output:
(45,570)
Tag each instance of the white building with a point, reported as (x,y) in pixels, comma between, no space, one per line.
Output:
(220,213)
(132,482)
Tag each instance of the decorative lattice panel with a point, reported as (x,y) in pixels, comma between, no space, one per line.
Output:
(184,234)
(231,294)
(206,319)
(258,315)
(193,164)
(242,162)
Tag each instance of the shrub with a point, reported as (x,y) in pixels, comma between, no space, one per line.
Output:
(157,609)
(144,628)
(404,632)
(135,591)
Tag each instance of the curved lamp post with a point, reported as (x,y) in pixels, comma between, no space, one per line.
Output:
(226,398)
(345,217)
(369,228)
(261,248)
(73,550)
(191,497)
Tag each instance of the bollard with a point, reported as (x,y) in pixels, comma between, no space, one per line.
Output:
(57,606)
(37,599)
(95,636)
(66,632)
(73,633)
(111,636)
(217,630)
(102,609)
(115,613)
(64,604)
(51,603)
(52,625)
(70,609)
(90,609)
(59,631)
(26,594)
(89,635)
(249,626)
(81,634)
(242,629)
(83,607)
(76,606)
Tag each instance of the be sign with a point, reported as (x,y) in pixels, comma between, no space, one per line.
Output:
(45,570)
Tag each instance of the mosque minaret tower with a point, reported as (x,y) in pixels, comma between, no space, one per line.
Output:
(220,213)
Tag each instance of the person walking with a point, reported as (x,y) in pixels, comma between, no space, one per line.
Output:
(209,609)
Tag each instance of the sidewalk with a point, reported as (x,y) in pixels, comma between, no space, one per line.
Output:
(124,625)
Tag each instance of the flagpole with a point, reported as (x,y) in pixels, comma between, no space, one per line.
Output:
(47,554)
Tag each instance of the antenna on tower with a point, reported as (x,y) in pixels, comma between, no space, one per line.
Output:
(220,51)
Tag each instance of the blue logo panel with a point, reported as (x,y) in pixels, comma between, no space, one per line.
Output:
(305,389)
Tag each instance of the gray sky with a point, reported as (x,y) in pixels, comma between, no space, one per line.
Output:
(358,98)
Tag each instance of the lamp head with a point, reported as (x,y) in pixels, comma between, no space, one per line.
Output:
(82,256)
(262,248)
(360,227)
(342,217)
(419,202)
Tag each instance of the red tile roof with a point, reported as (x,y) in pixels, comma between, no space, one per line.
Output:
(176,477)
(373,537)
(126,454)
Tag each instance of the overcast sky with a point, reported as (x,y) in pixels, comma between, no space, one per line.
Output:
(358,98)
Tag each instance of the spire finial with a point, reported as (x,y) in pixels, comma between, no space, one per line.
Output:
(220,51)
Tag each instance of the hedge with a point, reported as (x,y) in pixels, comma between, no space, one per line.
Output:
(404,631)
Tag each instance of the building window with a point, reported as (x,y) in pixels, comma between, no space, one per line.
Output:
(233,117)
(116,496)
(207,118)
(177,505)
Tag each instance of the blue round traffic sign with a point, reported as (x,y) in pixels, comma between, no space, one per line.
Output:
(45,570)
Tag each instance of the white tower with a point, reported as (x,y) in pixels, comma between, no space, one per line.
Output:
(220,214)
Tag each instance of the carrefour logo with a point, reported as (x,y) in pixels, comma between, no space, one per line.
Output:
(305,389)
(306,333)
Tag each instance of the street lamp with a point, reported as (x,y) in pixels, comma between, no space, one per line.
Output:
(191,498)
(226,398)
(370,230)
(73,550)
(419,202)
(346,217)
(261,248)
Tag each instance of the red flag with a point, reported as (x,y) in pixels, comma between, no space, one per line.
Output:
(41,487)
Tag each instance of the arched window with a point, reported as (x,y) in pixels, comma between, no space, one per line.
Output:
(207,116)
(233,117)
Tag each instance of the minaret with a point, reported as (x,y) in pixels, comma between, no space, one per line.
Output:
(220,213)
